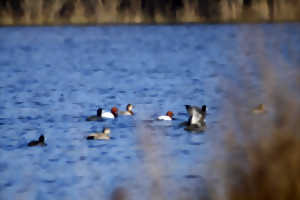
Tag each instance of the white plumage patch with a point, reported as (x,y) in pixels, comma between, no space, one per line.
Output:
(196,117)
(108,115)
(164,118)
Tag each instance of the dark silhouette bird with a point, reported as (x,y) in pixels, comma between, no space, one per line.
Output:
(40,142)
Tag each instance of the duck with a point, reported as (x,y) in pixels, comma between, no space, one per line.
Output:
(40,142)
(196,121)
(100,115)
(128,111)
(197,114)
(196,127)
(259,109)
(95,117)
(113,114)
(100,136)
(168,116)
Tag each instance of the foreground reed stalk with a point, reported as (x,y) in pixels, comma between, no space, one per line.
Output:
(261,158)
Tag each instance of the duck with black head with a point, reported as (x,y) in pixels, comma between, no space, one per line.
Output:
(101,115)
(40,142)
(95,117)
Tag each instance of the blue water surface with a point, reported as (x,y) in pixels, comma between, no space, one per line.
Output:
(52,78)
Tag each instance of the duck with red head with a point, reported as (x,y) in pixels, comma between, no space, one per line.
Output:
(168,116)
(113,114)
(101,115)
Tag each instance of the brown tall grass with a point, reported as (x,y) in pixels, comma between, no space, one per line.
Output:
(40,12)
(261,153)
(262,158)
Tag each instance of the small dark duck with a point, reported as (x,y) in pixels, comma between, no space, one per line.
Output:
(40,142)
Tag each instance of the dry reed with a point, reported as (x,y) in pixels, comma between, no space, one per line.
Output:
(53,12)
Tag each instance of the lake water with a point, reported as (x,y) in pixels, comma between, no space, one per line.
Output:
(52,78)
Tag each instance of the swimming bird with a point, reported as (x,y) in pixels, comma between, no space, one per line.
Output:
(128,111)
(197,114)
(168,116)
(196,127)
(100,115)
(40,142)
(196,120)
(259,109)
(100,136)
(112,114)
(95,117)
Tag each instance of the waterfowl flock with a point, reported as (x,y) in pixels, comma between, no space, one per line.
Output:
(195,123)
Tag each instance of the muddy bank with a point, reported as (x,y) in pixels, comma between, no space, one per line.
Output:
(41,12)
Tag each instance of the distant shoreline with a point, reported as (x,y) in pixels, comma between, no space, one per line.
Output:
(116,12)
(150,24)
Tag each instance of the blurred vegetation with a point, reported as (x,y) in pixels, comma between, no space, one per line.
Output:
(257,156)
(262,159)
(39,12)
(260,156)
